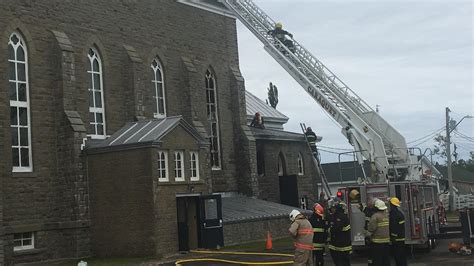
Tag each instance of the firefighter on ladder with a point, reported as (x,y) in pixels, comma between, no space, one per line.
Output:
(311,138)
(320,231)
(378,230)
(302,233)
(340,244)
(397,232)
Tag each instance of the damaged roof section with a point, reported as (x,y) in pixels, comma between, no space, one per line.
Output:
(144,133)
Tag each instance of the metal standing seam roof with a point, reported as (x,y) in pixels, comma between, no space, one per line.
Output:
(145,131)
(254,104)
(273,134)
(239,208)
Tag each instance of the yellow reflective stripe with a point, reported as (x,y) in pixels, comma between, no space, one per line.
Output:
(401,222)
(392,234)
(348,248)
(382,224)
(318,230)
(381,240)
(400,239)
(346,228)
(318,245)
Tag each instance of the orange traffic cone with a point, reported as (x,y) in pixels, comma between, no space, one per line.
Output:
(269,244)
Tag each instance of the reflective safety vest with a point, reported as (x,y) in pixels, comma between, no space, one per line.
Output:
(302,233)
(320,231)
(340,233)
(397,225)
(379,228)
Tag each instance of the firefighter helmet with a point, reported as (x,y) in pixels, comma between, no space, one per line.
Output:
(380,205)
(353,194)
(318,209)
(395,201)
(293,214)
(278,25)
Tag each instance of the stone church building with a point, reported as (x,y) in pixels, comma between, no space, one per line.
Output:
(123,126)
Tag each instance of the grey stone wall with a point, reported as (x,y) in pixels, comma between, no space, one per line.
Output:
(269,182)
(255,230)
(128,35)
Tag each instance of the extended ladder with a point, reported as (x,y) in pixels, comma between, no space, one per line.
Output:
(376,140)
(317,164)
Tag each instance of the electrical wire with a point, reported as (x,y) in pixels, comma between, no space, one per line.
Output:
(334,148)
(429,135)
(461,135)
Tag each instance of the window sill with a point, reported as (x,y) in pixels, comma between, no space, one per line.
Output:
(28,251)
(24,174)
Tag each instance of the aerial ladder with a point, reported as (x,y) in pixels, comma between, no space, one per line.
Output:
(317,163)
(372,137)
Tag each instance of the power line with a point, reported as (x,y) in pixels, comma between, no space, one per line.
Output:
(464,137)
(334,148)
(429,135)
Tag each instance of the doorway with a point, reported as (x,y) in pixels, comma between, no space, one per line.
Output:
(188,222)
(289,190)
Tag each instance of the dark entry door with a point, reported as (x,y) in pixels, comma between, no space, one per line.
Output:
(289,190)
(183,230)
(212,234)
(188,230)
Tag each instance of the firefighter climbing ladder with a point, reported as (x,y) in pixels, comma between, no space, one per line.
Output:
(371,136)
(317,164)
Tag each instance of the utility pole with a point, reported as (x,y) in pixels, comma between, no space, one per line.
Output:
(448,154)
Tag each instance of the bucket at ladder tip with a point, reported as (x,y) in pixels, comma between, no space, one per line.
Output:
(269,244)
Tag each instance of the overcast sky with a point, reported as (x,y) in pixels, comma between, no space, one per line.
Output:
(413,58)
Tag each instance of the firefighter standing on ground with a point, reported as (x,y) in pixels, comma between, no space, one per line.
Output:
(397,232)
(320,233)
(368,210)
(302,233)
(378,230)
(340,244)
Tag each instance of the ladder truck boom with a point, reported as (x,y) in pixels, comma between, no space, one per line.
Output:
(373,138)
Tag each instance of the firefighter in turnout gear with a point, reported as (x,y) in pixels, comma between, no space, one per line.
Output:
(397,232)
(302,233)
(311,138)
(378,230)
(320,231)
(340,244)
(368,210)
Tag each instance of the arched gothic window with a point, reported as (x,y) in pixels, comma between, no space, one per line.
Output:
(213,119)
(19,95)
(96,96)
(159,100)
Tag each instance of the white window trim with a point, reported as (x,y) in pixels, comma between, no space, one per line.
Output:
(95,110)
(176,169)
(26,247)
(218,148)
(300,161)
(155,81)
(22,43)
(166,178)
(191,167)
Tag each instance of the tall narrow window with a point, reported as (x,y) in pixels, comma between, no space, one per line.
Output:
(178,166)
(194,167)
(19,104)
(300,164)
(96,96)
(162,166)
(213,120)
(159,102)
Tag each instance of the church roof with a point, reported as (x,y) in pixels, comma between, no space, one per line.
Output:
(270,114)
